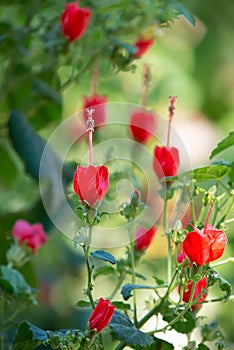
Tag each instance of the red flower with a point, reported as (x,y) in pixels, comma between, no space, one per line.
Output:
(97,103)
(206,245)
(200,286)
(142,125)
(181,257)
(166,161)
(91,183)
(142,46)
(74,21)
(33,235)
(101,315)
(144,237)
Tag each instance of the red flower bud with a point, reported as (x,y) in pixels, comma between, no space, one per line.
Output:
(206,245)
(98,104)
(101,315)
(74,21)
(166,161)
(91,183)
(142,125)
(142,46)
(200,286)
(32,235)
(181,257)
(144,237)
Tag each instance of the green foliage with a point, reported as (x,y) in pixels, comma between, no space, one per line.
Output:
(125,330)
(103,255)
(28,337)
(227,142)
(212,172)
(185,325)
(224,285)
(128,288)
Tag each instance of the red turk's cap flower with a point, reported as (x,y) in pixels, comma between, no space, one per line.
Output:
(144,237)
(142,45)
(181,257)
(166,161)
(142,125)
(101,315)
(32,235)
(97,103)
(200,286)
(91,183)
(206,245)
(74,21)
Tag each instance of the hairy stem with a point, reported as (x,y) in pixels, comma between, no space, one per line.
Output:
(132,247)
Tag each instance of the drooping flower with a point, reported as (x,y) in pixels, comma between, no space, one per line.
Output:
(200,286)
(142,45)
(101,315)
(142,125)
(98,104)
(166,161)
(91,183)
(144,237)
(74,21)
(204,246)
(32,235)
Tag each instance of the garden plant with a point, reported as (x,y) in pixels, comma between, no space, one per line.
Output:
(115,180)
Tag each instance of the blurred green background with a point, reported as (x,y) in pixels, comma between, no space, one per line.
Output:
(194,63)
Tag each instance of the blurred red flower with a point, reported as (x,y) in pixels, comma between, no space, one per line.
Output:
(98,104)
(91,183)
(32,235)
(101,315)
(204,246)
(166,161)
(200,286)
(142,46)
(142,125)
(144,237)
(74,21)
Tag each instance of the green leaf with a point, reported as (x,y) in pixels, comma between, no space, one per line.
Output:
(103,255)
(83,303)
(125,330)
(202,347)
(13,282)
(185,325)
(28,337)
(103,270)
(129,48)
(128,288)
(159,281)
(231,175)
(42,89)
(121,306)
(184,11)
(224,285)
(223,145)
(160,344)
(212,172)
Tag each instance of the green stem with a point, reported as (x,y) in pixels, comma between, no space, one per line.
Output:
(177,318)
(222,262)
(169,249)
(118,285)
(156,308)
(132,253)
(193,210)
(89,268)
(200,215)
(228,209)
